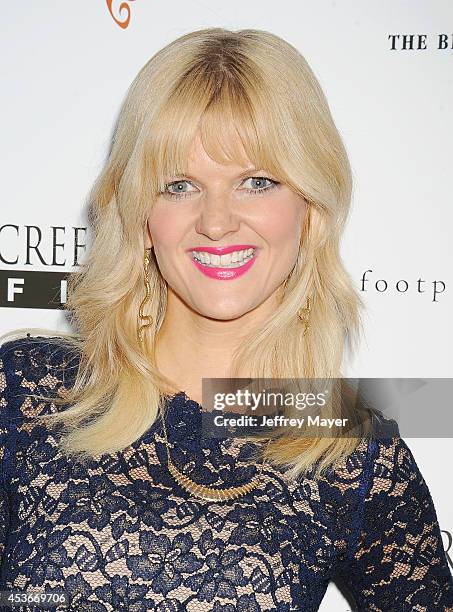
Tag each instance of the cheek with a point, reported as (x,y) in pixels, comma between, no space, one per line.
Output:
(165,228)
(281,221)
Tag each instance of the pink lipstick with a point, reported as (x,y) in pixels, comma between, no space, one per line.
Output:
(228,271)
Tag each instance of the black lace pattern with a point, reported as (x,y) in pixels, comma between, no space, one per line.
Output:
(120,534)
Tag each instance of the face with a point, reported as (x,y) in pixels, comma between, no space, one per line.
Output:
(225,237)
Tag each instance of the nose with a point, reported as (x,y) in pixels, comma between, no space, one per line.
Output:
(217,217)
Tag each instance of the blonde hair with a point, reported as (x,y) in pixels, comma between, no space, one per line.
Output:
(266,97)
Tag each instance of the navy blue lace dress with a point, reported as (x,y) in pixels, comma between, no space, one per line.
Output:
(120,534)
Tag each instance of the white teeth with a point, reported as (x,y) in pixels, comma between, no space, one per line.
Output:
(230,260)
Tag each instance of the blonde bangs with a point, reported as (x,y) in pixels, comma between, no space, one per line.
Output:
(200,103)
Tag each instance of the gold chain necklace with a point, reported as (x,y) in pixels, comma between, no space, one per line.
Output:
(209,493)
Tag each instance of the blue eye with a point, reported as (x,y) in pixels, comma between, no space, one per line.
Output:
(260,189)
(179,193)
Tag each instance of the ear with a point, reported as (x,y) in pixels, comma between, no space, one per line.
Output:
(148,240)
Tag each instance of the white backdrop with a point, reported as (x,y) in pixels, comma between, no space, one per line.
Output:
(386,68)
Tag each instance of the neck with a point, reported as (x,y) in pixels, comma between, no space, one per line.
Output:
(190,346)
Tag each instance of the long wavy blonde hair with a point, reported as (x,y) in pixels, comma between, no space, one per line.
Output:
(250,87)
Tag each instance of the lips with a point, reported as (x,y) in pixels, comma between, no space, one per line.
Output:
(224,273)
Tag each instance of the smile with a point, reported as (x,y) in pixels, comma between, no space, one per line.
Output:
(224,267)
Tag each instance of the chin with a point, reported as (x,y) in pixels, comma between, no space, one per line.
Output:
(222,315)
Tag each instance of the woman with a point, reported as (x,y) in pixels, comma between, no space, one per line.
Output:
(225,166)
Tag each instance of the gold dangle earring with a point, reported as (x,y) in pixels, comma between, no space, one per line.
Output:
(146,318)
(304,314)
